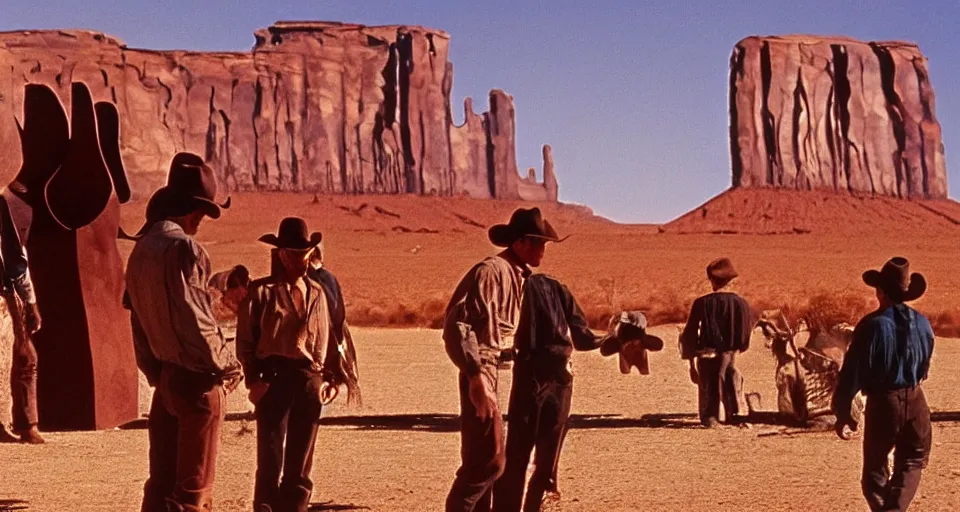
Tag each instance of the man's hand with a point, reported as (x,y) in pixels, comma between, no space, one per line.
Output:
(257,390)
(694,375)
(32,313)
(328,392)
(840,428)
(231,378)
(481,400)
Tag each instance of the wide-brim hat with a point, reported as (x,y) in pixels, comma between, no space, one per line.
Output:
(292,234)
(191,186)
(523,222)
(721,269)
(628,327)
(896,281)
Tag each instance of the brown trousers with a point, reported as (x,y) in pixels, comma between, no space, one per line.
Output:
(719,382)
(481,451)
(539,410)
(184,431)
(23,371)
(288,417)
(897,420)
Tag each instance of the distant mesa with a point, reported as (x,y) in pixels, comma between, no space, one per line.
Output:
(319,107)
(832,113)
(829,134)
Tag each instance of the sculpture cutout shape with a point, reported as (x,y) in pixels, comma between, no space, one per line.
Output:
(87,371)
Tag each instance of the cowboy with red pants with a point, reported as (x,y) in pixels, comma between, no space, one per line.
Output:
(888,359)
(481,319)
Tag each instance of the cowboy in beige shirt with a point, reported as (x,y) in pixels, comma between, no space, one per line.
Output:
(481,318)
(179,346)
(291,362)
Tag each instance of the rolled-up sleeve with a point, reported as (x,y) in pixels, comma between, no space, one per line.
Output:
(147,362)
(191,310)
(248,335)
(15,257)
(472,316)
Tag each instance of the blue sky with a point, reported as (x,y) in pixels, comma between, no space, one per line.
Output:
(632,95)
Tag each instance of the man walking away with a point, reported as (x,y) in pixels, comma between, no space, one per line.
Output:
(888,359)
(719,326)
(179,346)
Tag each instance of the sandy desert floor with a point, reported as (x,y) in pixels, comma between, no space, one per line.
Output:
(634,444)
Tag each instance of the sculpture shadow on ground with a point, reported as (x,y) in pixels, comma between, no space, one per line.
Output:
(13,504)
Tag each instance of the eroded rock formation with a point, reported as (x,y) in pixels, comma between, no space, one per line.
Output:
(315,107)
(810,112)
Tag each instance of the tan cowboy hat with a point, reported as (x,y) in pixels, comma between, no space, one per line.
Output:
(292,234)
(896,281)
(523,222)
(721,269)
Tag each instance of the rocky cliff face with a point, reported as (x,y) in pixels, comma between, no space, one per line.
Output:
(315,107)
(834,113)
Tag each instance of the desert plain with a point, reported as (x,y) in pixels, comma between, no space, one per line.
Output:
(634,442)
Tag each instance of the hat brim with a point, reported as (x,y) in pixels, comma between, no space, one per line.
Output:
(916,288)
(503,235)
(611,344)
(295,245)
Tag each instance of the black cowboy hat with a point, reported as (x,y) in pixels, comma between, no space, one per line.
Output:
(721,270)
(896,281)
(292,234)
(523,222)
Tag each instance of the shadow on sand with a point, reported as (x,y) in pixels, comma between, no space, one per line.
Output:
(329,505)
(13,504)
(451,422)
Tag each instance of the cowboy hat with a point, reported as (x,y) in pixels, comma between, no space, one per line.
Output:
(628,327)
(896,281)
(523,222)
(292,234)
(721,269)
(191,186)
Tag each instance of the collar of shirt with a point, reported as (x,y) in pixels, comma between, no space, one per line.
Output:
(522,269)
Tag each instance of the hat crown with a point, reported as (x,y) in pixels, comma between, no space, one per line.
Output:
(721,269)
(527,221)
(189,175)
(896,273)
(292,228)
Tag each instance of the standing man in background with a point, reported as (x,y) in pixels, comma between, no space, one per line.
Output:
(719,326)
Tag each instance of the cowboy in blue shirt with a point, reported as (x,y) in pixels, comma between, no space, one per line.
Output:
(888,359)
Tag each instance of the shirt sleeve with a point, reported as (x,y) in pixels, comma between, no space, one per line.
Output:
(191,310)
(476,313)
(856,364)
(689,338)
(146,361)
(583,337)
(15,257)
(747,322)
(248,335)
